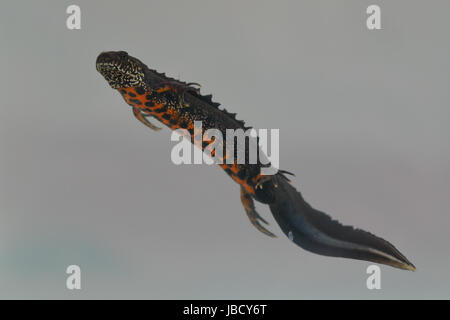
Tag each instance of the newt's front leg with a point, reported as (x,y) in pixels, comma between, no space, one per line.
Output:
(142,118)
(253,216)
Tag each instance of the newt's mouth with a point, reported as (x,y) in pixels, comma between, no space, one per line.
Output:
(112,57)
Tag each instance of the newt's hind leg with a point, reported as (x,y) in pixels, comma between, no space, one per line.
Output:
(142,118)
(254,217)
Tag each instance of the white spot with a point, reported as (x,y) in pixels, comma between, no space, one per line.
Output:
(290,236)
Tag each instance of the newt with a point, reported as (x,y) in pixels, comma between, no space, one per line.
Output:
(177,104)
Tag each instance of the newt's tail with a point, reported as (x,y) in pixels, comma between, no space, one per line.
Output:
(317,232)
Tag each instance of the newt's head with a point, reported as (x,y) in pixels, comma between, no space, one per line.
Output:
(121,70)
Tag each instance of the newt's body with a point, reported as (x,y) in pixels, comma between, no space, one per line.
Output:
(177,105)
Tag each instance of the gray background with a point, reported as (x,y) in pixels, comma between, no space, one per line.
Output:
(363,118)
